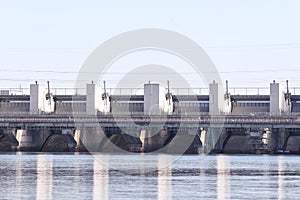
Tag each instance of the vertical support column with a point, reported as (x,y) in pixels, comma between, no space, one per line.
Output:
(25,140)
(213,139)
(277,139)
(143,138)
(156,101)
(36,98)
(148,144)
(77,139)
(214,99)
(151,99)
(8,141)
(274,99)
(32,139)
(152,139)
(92,98)
(203,136)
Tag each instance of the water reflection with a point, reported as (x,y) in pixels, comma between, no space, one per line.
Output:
(101,178)
(18,180)
(215,177)
(268,175)
(44,177)
(164,178)
(280,178)
(223,177)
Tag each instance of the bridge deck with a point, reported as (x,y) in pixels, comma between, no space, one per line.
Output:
(141,97)
(163,121)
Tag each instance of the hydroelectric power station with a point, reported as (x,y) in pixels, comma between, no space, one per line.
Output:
(158,119)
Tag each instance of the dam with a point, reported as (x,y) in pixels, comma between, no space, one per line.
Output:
(156,119)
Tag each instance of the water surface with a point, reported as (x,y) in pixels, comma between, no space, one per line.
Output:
(82,176)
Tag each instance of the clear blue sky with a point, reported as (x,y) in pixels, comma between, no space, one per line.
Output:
(251,42)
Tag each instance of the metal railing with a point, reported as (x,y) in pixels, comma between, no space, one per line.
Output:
(140,91)
(249,91)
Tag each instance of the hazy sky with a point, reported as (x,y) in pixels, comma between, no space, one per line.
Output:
(251,42)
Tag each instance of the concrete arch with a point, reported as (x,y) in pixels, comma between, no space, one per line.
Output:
(59,143)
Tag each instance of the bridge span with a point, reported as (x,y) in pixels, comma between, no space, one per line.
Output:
(98,121)
(223,134)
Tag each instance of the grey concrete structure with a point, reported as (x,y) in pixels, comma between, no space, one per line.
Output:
(214,107)
(156,100)
(243,124)
(96,101)
(275,108)
(40,100)
(238,134)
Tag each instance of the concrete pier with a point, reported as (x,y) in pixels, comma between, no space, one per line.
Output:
(153,139)
(214,107)
(95,100)
(40,100)
(274,99)
(8,142)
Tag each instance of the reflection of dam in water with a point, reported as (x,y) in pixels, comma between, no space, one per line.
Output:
(156,120)
(63,176)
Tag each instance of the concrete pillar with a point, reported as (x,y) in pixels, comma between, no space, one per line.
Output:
(39,100)
(93,139)
(156,101)
(274,99)
(142,138)
(36,98)
(153,139)
(213,139)
(214,99)
(8,141)
(92,98)
(277,139)
(151,99)
(150,142)
(203,135)
(95,101)
(77,138)
(25,140)
(32,139)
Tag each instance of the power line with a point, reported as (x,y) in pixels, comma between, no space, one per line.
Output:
(123,73)
(271,45)
(245,45)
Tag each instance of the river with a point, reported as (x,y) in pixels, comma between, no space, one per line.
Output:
(141,176)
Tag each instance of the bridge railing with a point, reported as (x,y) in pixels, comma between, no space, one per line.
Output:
(140,91)
(249,91)
(295,90)
(112,91)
